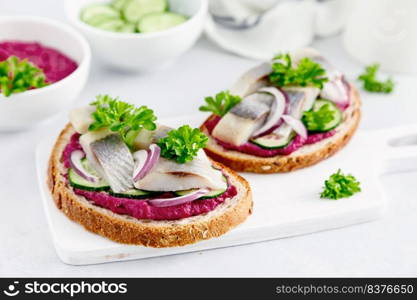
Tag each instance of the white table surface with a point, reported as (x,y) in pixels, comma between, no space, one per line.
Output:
(386,247)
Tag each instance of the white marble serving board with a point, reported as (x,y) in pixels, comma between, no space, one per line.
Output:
(284,204)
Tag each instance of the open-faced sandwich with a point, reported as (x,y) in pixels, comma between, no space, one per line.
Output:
(282,115)
(123,176)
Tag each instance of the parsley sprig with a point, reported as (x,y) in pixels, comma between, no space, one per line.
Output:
(182,144)
(305,73)
(221,103)
(121,117)
(340,186)
(371,84)
(18,75)
(316,120)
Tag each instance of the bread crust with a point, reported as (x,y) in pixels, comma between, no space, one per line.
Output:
(150,233)
(305,156)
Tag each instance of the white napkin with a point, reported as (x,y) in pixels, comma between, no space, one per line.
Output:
(286,27)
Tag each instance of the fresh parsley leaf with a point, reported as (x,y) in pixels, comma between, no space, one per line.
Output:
(182,144)
(305,73)
(371,84)
(221,103)
(316,120)
(340,186)
(18,75)
(121,117)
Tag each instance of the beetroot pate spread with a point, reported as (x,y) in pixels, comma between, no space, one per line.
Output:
(140,208)
(252,149)
(54,64)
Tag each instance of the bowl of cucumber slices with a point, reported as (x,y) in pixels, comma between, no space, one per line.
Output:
(137,35)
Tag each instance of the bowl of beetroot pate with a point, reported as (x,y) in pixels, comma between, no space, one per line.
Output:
(59,52)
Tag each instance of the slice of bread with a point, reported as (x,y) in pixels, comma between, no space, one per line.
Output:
(305,156)
(129,230)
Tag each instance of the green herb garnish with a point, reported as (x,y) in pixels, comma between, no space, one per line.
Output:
(305,73)
(121,117)
(182,144)
(371,84)
(221,103)
(18,75)
(316,120)
(340,186)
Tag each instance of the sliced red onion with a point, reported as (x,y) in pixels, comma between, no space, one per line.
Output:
(296,125)
(178,200)
(277,109)
(250,81)
(336,91)
(77,166)
(146,159)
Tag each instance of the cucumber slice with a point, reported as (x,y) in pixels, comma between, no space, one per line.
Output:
(119,4)
(96,21)
(337,113)
(128,28)
(273,141)
(160,21)
(78,182)
(95,10)
(133,194)
(112,25)
(134,10)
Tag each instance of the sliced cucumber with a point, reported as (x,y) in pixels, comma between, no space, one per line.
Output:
(273,141)
(95,10)
(337,115)
(98,20)
(119,4)
(133,194)
(112,25)
(134,10)
(79,182)
(128,28)
(160,21)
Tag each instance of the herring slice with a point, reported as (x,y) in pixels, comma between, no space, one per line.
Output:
(238,125)
(110,157)
(167,175)
(252,80)
(80,118)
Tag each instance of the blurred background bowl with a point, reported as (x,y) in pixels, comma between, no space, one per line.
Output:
(25,109)
(142,51)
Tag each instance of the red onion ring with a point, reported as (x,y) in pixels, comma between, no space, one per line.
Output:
(76,165)
(143,168)
(296,124)
(165,202)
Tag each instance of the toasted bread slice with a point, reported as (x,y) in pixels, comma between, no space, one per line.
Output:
(129,230)
(305,156)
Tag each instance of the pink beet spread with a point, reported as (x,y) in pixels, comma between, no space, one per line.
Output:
(54,64)
(140,208)
(253,149)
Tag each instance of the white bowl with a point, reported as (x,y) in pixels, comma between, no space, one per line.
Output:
(24,109)
(142,51)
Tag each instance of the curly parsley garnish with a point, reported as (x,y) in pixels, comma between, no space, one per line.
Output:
(121,117)
(18,75)
(371,84)
(340,186)
(305,73)
(316,120)
(182,144)
(221,103)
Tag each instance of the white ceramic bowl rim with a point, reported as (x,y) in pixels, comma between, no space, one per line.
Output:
(202,10)
(86,51)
